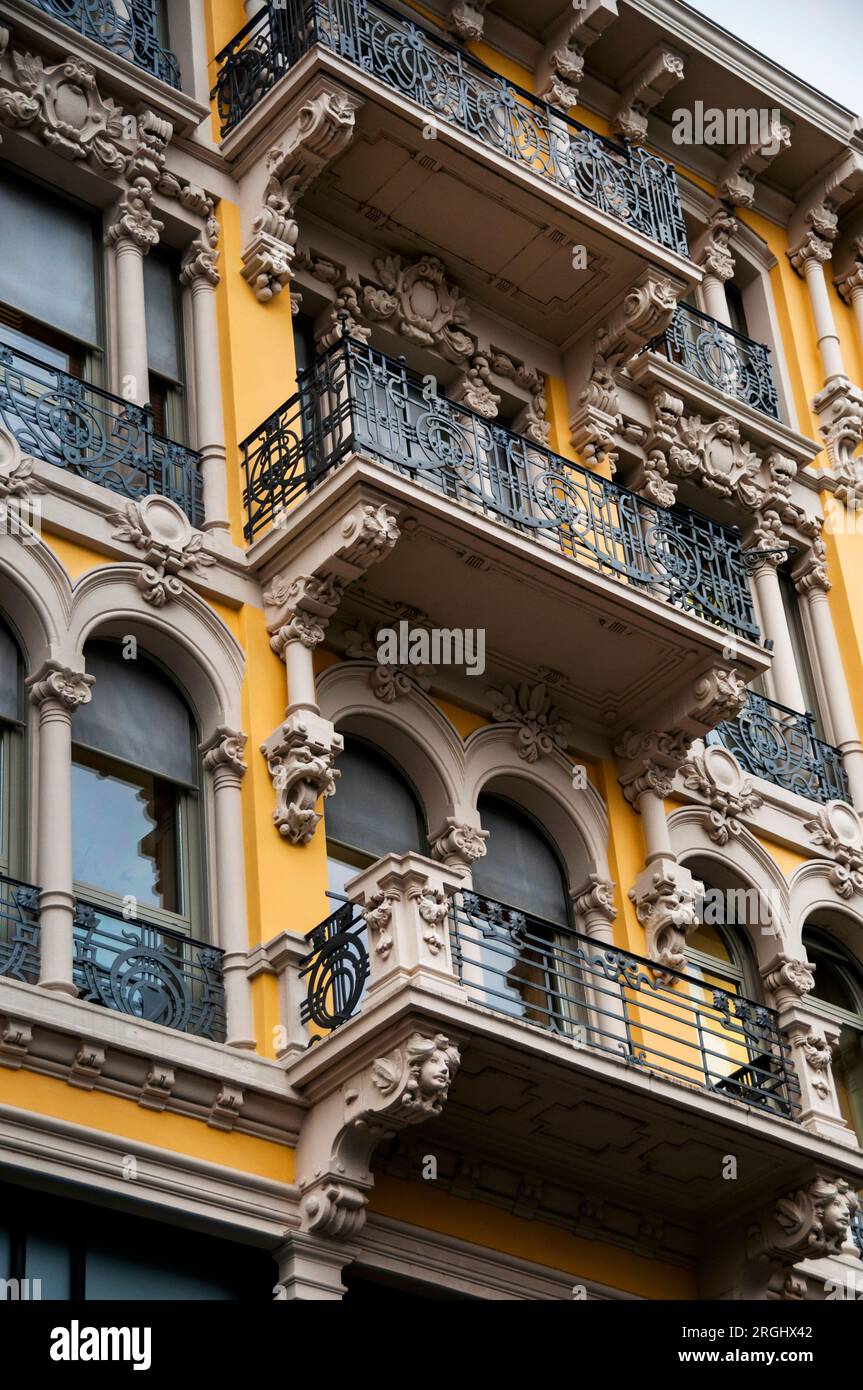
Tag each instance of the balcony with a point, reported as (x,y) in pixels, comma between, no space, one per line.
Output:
(732,363)
(94,434)
(694,1029)
(148,972)
(355,400)
(128,28)
(776,743)
(630,185)
(19,930)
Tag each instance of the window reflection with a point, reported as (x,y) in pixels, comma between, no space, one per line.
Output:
(126,832)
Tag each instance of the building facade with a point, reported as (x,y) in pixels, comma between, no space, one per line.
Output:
(431,667)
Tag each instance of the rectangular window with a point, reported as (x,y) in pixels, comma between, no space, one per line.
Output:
(165,344)
(801,652)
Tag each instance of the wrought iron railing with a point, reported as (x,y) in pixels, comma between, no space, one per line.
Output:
(731,362)
(128,28)
(772,741)
(694,1027)
(355,399)
(19,930)
(630,185)
(148,971)
(336,968)
(90,432)
(857,1226)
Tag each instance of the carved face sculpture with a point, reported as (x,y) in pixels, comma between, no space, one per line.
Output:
(434,1077)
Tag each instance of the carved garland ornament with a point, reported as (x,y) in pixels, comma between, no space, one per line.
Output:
(172,548)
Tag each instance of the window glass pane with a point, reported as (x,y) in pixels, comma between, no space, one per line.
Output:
(160,285)
(136,715)
(112,1274)
(58,289)
(125,833)
(5,1251)
(35,347)
(520,867)
(374,808)
(8,674)
(798,645)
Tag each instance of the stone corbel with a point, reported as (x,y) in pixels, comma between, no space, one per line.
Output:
(711,249)
(814,224)
(466,18)
(538,725)
(172,549)
(300,756)
(651,478)
(405,1083)
(594,907)
(757,1261)
(646,312)
(598,420)
(561,66)
(717,777)
(667,903)
(839,407)
(643,89)
(319,129)
(458,846)
(723,463)
(736,184)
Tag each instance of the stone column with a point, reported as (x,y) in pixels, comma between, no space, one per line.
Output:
(594,909)
(200,276)
(222,757)
(711,252)
(810,1041)
(813,586)
(783,673)
(310,1268)
(850,286)
(808,259)
(57,692)
(132,235)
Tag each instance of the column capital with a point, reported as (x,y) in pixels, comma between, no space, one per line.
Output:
(711,250)
(199,266)
(59,685)
(135,224)
(593,903)
(458,845)
(223,751)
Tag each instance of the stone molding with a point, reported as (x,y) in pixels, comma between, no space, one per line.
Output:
(173,550)
(716,775)
(300,759)
(645,88)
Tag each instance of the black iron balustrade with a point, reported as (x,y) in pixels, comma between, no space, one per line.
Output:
(337,969)
(629,184)
(857,1227)
(772,741)
(148,971)
(128,28)
(731,362)
(90,432)
(692,1027)
(19,930)
(355,399)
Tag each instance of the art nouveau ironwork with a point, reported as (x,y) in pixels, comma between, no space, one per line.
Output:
(19,930)
(129,29)
(630,185)
(355,399)
(772,741)
(337,968)
(90,432)
(149,972)
(732,363)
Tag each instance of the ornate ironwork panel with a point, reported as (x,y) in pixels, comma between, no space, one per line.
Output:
(98,436)
(128,28)
(19,930)
(357,399)
(149,972)
(629,184)
(732,363)
(336,968)
(776,743)
(692,1027)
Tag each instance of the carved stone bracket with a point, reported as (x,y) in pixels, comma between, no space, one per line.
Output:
(300,755)
(713,452)
(457,845)
(652,479)
(404,1085)
(807,1224)
(172,548)
(645,88)
(666,902)
(837,830)
(839,408)
(646,312)
(736,183)
(717,776)
(561,66)
(711,250)
(319,131)
(419,302)
(465,19)
(598,419)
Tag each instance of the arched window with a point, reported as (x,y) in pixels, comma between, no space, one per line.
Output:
(838,994)
(136,842)
(509,942)
(374,812)
(12,818)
